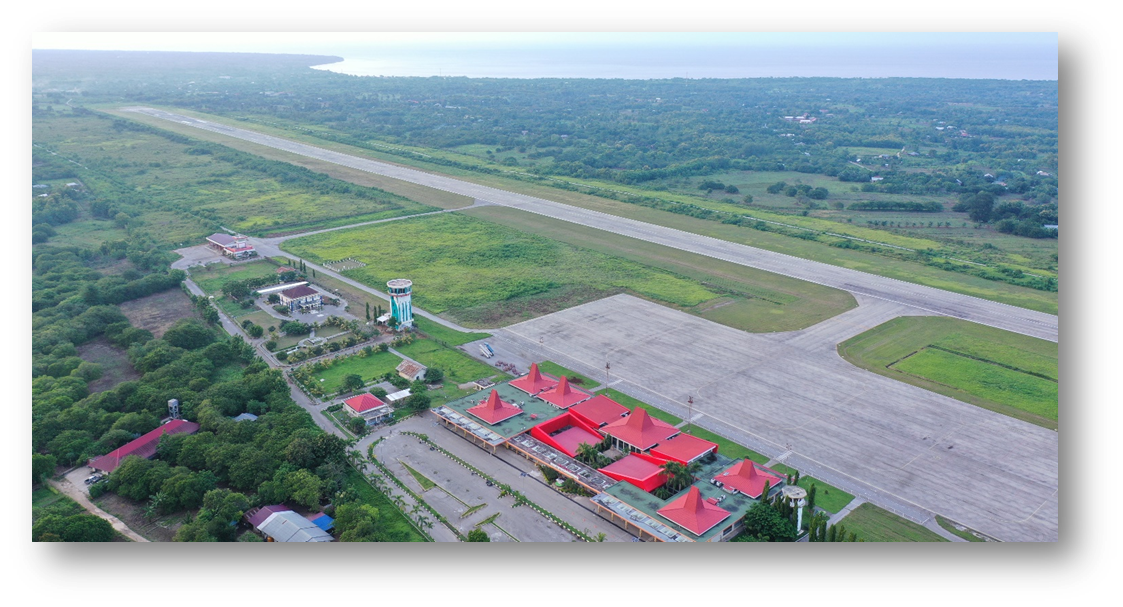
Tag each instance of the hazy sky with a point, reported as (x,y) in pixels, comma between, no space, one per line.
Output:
(625,55)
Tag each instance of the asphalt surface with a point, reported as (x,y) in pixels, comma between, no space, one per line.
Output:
(925,299)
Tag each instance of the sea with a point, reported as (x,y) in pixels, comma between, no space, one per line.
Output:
(975,61)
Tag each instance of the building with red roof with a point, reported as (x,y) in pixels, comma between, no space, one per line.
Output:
(494,409)
(145,446)
(639,431)
(745,477)
(368,407)
(684,449)
(565,433)
(643,472)
(599,410)
(563,395)
(694,513)
(235,247)
(535,381)
(302,297)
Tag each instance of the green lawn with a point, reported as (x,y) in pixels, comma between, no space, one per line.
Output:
(369,368)
(421,479)
(459,368)
(389,516)
(46,500)
(212,278)
(445,335)
(874,524)
(574,378)
(827,497)
(482,274)
(998,370)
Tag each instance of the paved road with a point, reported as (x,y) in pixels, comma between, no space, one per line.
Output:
(926,299)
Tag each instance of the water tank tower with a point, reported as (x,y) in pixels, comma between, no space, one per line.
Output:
(401,304)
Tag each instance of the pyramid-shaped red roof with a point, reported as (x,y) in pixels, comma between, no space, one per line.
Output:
(364,402)
(640,430)
(694,513)
(563,395)
(534,382)
(494,410)
(745,477)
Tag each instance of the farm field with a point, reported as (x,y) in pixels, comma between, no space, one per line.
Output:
(482,274)
(755,300)
(874,524)
(158,312)
(1005,372)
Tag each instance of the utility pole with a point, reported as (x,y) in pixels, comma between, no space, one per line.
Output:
(606,368)
(690,409)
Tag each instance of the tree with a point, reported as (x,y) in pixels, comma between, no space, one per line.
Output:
(587,454)
(680,477)
(368,311)
(42,466)
(356,522)
(357,425)
(353,382)
(189,334)
(76,528)
(434,375)
(478,535)
(764,522)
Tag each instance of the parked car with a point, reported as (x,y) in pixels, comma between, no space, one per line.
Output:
(93,478)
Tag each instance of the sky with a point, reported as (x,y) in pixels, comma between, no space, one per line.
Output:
(624,54)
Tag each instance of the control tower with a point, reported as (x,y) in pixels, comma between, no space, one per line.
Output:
(401,305)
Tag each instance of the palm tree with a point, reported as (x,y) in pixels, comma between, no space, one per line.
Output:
(587,454)
(680,476)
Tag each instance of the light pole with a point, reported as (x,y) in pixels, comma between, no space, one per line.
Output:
(606,368)
(690,410)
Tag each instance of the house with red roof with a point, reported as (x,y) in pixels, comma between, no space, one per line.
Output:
(144,446)
(694,513)
(534,382)
(684,449)
(599,411)
(745,477)
(368,407)
(639,431)
(643,472)
(302,297)
(494,409)
(563,395)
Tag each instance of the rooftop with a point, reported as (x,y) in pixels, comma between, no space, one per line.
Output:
(144,446)
(694,512)
(640,430)
(299,291)
(599,410)
(641,472)
(563,395)
(684,448)
(536,412)
(493,410)
(364,402)
(288,526)
(746,477)
(534,382)
(410,368)
(568,440)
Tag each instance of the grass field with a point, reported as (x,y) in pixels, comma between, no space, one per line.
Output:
(483,274)
(159,311)
(212,278)
(445,335)
(115,365)
(369,368)
(459,368)
(827,497)
(874,524)
(998,370)
(753,300)
(389,516)
(574,377)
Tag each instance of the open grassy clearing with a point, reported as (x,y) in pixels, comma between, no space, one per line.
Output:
(158,312)
(183,176)
(115,365)
(986,380)
(753,300)
(998,370)
(874,524)
(868,262)
(459,368)
(574,378)
(370,368)
(445,335)
(46,500)
(470,269)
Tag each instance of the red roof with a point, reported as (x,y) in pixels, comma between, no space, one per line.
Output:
(694,513)
(641,472)
(684,448)
(745,477)
(299,291)
(599,410)
(363,403)
(494,410)
(640,430)
(534,382)
(564,396)
(569,440)
(145,446)
(283,269)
